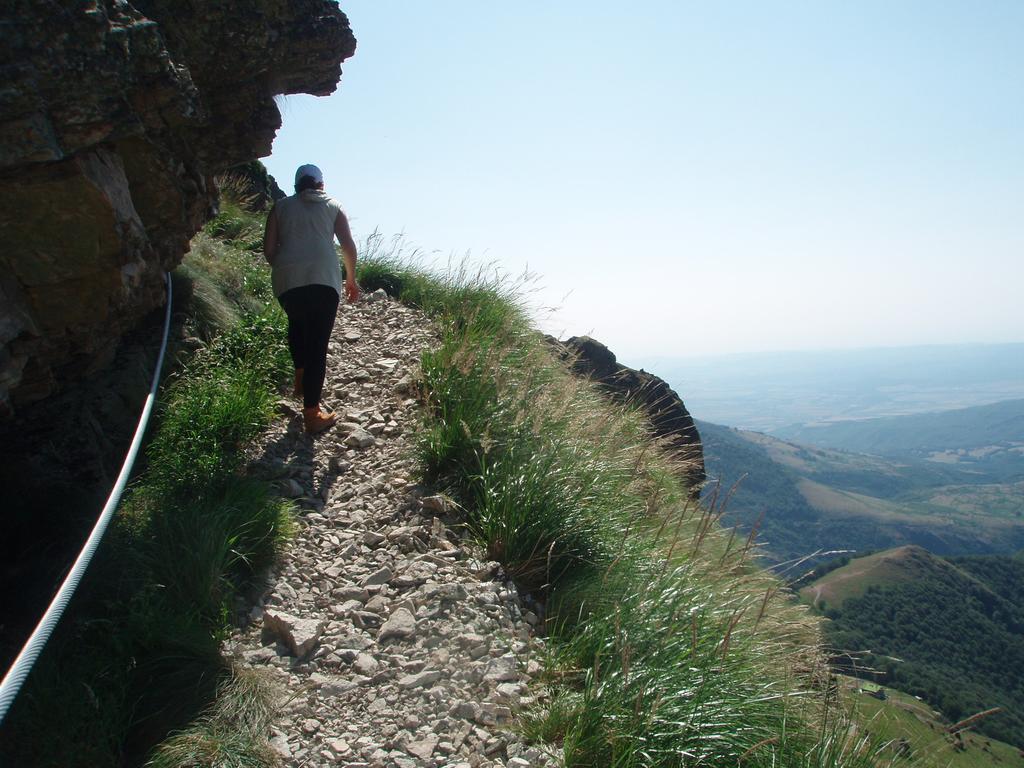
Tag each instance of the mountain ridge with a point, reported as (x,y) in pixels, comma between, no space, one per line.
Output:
(919,434)
(885,568)
(811,499)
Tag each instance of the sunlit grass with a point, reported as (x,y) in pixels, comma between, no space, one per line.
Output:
(671,648)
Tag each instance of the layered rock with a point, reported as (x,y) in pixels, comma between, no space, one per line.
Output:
(666,411)
(114,118)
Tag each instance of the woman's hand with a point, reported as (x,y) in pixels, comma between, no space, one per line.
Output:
(348,251)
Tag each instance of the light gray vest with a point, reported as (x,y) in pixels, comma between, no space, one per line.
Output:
(306,254)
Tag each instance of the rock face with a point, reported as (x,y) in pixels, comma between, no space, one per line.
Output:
(258,188)
(665,409)
(114,118)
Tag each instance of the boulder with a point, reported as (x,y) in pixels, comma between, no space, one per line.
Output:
(664,408)
(300,636)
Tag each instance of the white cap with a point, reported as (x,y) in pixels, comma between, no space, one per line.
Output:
(309,170)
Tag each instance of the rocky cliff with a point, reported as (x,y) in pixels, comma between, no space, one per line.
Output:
(114,118)
(666,411)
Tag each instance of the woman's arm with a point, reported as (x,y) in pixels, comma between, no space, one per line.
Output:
(270,237)
(348,250)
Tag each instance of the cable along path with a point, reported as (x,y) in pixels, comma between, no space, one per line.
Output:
(393,641)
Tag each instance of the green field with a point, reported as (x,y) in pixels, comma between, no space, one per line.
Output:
(882,569)
(902,719)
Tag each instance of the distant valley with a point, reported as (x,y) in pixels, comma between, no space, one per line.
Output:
(987,439)
(810,498)
(907,533)
(770,391)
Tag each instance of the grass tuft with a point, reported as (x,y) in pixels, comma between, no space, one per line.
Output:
(670,647)
(232,733)
(204,550)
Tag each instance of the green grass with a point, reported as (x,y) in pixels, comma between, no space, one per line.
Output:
(224,283)
(211,311)
(669,647)
(138,653)
(231,733)
(235,223)
(892,566)
(203,549)
(902,718)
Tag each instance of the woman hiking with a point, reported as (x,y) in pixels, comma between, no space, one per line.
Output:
(306,276)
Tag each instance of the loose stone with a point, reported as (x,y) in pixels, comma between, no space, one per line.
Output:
(299,635)
(407,652)
(420,680)
(401,624)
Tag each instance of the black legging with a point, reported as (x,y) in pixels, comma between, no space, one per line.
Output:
(311,310)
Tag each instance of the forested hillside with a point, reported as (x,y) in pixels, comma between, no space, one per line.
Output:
(950,631)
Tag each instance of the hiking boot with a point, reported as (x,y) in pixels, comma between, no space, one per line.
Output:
(297,392)
(316,420)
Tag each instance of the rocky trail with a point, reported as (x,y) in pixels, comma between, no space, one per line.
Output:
(394,642)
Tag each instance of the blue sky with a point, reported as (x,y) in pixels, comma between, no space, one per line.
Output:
(695,178)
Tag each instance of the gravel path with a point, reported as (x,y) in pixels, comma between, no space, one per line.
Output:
(396,644)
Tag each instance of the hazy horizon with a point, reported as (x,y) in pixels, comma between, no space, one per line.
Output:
(693,178)
(826,350)
(767,391)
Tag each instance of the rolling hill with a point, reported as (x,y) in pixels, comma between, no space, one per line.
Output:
(881,569)
(988,438)
(948,630)
(808,499)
